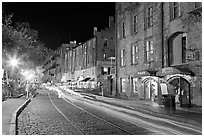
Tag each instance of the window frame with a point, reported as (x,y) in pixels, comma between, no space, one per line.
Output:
(149,51)
(197,5)
(105,43)
(122,57)
(134,82)
(134,54)
(149,17)
(174,10)
(122,85)
(135,23)
(123,29)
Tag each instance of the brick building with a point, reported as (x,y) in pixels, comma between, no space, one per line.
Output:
(159,44)
(93,60)
(49,71)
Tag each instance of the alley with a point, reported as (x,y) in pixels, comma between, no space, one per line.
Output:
(48,114)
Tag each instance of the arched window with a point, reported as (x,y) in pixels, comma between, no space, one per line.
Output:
(177,46)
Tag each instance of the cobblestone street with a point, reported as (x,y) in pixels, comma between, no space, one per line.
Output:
(40,117)
(74,115)
(47,114)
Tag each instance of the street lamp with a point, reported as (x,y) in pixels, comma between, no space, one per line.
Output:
(14,62)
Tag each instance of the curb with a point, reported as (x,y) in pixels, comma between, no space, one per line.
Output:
(13,124)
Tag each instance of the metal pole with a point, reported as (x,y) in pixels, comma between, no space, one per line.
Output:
(102,90)
(6,76)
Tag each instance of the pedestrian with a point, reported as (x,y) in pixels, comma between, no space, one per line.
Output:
(27,89)
(11,88)
(101,85)
(33,88)
(177,99)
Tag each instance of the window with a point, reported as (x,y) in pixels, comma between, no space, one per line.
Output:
(85,56)
(184,44)
(135,24)
(178,52)
(104,55)
(135,51)
(198,4)
(149,51)
(105,70)
(196,55)
(122,83)
(105,42)
(123,30)
(122,55)
(134,85)
(175,10)
(66,62)
(149,19)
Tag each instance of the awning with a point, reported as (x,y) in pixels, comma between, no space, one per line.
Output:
(173,70)
(144,73)
(86,79)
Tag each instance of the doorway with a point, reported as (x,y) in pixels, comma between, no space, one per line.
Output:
(182,89)
(150,89)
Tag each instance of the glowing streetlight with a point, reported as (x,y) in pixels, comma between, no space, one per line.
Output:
(13,61)
(28,74)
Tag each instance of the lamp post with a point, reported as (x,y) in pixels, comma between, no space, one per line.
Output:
(12,62)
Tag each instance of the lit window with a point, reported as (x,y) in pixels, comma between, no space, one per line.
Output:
(104,56)
(175,10)
(135,51)
(122,83)
(149,51)
(122,55)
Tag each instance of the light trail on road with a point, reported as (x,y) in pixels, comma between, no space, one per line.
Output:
(100,119)
(145,118)
(181,128)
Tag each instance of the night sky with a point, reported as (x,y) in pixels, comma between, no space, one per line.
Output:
(61,22)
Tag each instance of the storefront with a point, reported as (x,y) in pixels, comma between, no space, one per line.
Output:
(181,80)
(146,85)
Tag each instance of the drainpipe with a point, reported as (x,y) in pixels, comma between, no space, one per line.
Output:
(162,51)
(162,31)
(116,56)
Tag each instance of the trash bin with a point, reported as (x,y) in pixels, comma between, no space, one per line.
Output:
(172,101)
(166,101)
(169,101)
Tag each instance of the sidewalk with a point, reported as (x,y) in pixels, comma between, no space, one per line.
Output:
(8,108)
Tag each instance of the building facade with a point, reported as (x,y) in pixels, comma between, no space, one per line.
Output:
(158,50)
(93,60)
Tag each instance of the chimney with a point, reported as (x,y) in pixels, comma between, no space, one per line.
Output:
(111,21)
(95,30)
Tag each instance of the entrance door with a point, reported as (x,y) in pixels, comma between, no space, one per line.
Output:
(150,89)
(182,87)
